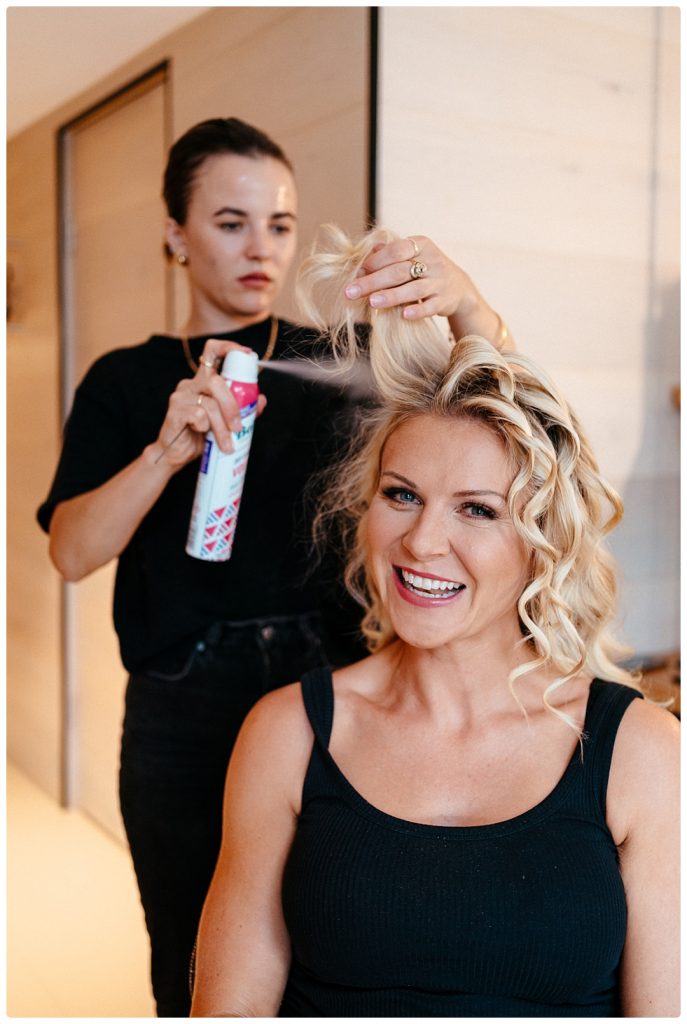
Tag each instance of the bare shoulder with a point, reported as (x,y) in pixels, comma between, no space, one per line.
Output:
(649,732)
(274,746)
(645,769)
(279,715)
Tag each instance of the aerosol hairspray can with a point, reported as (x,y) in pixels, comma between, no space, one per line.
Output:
(221,475)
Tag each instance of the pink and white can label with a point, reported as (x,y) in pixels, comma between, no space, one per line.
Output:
(221,475)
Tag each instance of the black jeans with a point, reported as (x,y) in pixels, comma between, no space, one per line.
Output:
(181,721)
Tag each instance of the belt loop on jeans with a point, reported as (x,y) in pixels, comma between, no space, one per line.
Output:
(265,627)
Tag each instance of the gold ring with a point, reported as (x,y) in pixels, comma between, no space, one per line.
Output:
(416,251)
(210,363)
(418,269)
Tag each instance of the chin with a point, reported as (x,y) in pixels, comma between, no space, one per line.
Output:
(422,639)
(249,305)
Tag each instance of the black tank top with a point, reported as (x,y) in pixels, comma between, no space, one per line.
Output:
(391,918)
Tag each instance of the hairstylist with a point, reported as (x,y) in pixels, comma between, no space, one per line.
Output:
(203,642)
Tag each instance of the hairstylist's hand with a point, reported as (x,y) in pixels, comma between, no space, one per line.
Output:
(200,404)
(441,289)
(386,277)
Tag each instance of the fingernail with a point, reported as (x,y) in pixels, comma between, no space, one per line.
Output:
(409,313)
(353,291)
(377,300)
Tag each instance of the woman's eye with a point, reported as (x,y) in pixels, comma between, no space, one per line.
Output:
(400,495)
(281,229)
(477,511)
(231,225)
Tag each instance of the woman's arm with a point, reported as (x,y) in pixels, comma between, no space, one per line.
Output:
(643,812)
(243,951)
(89,530)
(444,290)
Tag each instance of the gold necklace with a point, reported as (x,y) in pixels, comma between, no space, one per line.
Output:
(272,341)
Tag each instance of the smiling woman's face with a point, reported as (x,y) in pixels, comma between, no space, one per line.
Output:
(443,551)
(239,236)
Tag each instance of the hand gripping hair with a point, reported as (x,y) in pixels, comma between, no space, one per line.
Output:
(559,503)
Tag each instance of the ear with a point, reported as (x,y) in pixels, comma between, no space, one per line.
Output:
(175,237)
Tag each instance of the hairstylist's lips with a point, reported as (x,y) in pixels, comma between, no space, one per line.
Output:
(256,280)
(425,589)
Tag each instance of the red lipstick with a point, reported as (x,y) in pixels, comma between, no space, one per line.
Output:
(256,280)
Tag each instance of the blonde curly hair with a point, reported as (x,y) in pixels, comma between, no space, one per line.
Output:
(560,505)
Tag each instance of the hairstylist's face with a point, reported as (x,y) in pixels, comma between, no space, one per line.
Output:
(239,237)
(445,556)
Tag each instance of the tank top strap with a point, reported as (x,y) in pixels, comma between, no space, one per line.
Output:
(318,700)
(606,705)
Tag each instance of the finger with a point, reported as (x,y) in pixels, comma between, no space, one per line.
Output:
(394,252)
(361,283)
(182,424)
(207,415)
(213,355)
(262,402)
(182,448)
(390,276)
(421,310)
(222,394)
(411,291)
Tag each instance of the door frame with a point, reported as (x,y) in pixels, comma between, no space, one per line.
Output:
(132,90)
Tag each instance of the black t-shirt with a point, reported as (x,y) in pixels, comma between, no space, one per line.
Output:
(162,595)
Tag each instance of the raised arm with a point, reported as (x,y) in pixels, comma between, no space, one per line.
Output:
(89,530)
(644,813)
(243,952)
(444,289)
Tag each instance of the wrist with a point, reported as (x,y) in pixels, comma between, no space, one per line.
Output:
(475,316)
(154,459)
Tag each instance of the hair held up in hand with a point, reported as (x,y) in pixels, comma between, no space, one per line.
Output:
(559,503)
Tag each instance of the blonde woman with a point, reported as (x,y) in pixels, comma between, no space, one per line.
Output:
(480,818)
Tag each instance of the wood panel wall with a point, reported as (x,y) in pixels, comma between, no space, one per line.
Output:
(539,147)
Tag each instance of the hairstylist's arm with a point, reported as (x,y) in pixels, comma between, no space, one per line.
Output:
(243,952)
(643,812)
(89,530)
(444,289)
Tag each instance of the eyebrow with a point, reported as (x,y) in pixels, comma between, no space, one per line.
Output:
(456,494)
(223,210)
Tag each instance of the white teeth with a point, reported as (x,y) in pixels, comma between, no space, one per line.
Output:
(423,583)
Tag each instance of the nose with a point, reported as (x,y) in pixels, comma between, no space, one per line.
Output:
(428,537)
(259,243)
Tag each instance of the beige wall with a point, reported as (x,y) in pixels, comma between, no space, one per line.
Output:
(539,146)
(33,609)
(299,73)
